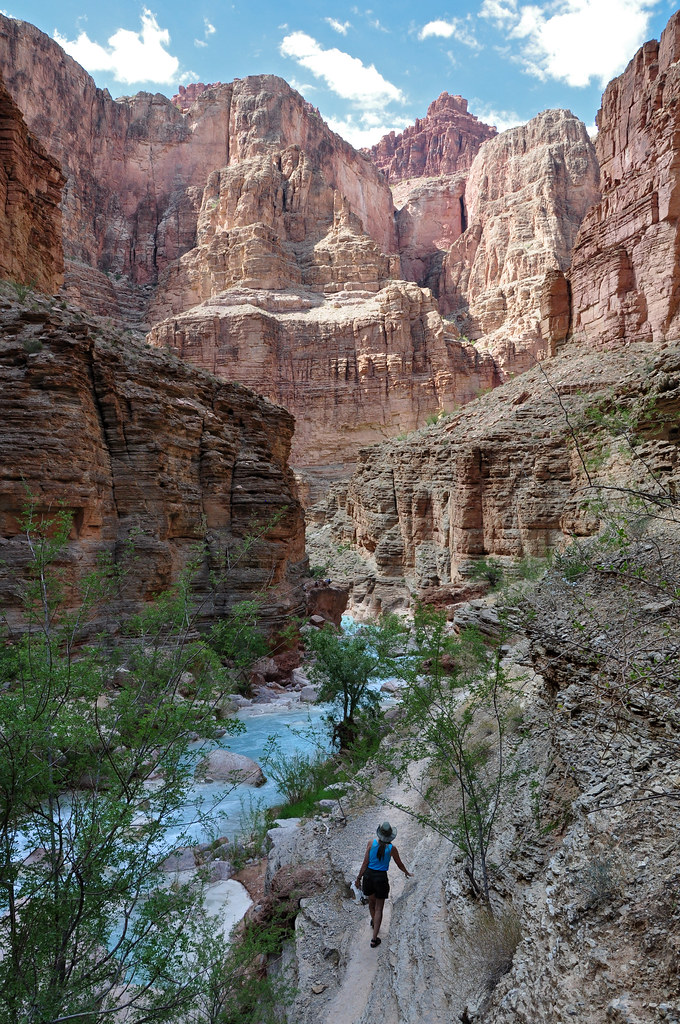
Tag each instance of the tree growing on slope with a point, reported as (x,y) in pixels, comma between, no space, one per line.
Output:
(96,764)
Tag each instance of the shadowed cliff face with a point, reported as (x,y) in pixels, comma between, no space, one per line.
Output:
(624,277)
(30,192)
(137,444)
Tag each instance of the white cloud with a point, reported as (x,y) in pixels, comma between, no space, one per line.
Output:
(345,75)
(501,119)
(497,11)
(129,56)
(209,30)
(301,87)
(446,29)
(574,41)
(339,26)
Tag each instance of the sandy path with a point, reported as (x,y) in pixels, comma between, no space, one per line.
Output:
(350,1000)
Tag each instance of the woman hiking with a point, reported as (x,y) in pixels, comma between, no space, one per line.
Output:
(374,872)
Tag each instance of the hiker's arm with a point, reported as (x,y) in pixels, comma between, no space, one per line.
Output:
(398,861)
(364,865)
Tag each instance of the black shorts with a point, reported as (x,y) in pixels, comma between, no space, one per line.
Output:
(376,883)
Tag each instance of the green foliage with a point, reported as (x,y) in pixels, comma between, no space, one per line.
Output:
(459,713)
(488,569)
(89,927)
(298,774)
(22,288)
(319,572)
(344,666)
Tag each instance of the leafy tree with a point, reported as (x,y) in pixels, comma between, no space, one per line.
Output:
(95,767)
(345,665)
(457,709)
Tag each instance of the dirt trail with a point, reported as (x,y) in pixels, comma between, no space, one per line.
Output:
(350,1000)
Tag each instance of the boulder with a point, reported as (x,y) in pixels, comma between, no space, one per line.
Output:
(309,694)
(225,766)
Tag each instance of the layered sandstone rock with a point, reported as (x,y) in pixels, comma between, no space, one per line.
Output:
(137,167)
(445,141)
(30,193)
(142,448)
(526,195)
(625,279)
(351,366)
(502,478)
(431,215)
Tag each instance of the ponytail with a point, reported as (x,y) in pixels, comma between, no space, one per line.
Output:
(380,852)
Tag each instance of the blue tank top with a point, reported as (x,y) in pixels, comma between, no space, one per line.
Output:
(374,863)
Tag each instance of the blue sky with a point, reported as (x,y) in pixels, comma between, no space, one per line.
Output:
(368,69)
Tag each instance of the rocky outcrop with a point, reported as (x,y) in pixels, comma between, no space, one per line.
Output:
(350,366)
(144,450)
(188,94)
(445,141)
(500,478)
(137,167)
(30,193)
(526,195)
(624,278)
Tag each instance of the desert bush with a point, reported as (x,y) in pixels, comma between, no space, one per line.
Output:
(490,942)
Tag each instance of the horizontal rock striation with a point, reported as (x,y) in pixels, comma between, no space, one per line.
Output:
(501,477)
(144,449)
(445,141)
(30,192)
(526,194)
(351,367)
(624,278)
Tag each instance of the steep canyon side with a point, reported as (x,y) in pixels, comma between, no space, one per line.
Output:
(146,453)
(503,477)
(624,278)
(31,183)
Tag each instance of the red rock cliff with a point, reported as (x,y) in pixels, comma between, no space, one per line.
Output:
(132,440)
(137,167)
(527,193)
(30,192)
(625,275)
(445,141)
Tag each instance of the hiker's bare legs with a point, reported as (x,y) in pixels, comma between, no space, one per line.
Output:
(376,908)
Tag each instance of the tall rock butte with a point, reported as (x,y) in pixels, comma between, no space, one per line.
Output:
(445,141)
(625,276)
(527,193)
(489,221)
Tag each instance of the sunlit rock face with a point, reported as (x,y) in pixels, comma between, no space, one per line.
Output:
(137,167)
(352,366)
(445,141)
(30,217)
(624,278)
(526,195)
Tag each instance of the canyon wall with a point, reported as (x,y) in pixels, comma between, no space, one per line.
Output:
(30,193)
(625,279)
(526,194)
(144,450)
(502,478)
(137,167)
(352,366)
